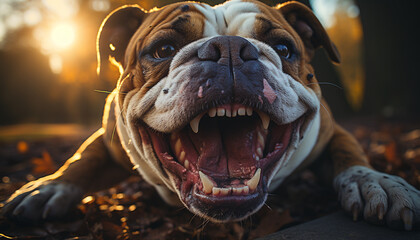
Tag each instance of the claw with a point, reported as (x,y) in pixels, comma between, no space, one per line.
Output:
(381,211)
(355,211)
(407,218)
(45,213)
(18,211)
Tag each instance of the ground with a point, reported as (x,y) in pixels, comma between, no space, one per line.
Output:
(133,210)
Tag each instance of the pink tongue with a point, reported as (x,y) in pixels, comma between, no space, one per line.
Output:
(226,148)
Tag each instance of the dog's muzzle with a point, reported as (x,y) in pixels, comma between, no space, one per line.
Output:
(222,158)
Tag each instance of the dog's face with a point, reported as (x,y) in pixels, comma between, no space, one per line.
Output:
(216,100)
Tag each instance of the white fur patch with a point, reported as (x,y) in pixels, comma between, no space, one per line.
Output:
(231,18)
(299,155)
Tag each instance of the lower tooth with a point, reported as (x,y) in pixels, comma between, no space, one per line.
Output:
(221,191)
(259,152)
(240,190)
(225,191)
(186,164)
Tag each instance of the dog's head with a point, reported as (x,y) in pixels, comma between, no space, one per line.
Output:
(216,99)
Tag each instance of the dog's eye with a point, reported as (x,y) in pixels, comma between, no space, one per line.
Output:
(282,50)
(165,51)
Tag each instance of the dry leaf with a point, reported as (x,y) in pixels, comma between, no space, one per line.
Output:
(44,165)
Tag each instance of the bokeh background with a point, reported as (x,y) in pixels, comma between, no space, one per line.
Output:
(48,59)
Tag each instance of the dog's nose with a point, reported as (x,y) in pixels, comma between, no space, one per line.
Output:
(223,49)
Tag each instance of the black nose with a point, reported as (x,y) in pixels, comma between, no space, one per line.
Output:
(223,49)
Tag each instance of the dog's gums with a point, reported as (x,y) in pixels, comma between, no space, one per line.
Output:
(225,156)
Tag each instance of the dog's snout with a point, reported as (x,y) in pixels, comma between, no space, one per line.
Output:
(225,49)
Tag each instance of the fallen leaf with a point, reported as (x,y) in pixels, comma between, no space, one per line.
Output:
(43,165)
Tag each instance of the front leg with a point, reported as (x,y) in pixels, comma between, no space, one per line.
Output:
(51,197)
(381,198)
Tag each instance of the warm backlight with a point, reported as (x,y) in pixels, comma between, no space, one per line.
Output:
(63,35)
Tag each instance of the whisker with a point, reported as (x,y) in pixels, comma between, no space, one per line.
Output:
(329,116)
(268,206)
(113,133)
(102,91)
(327,83)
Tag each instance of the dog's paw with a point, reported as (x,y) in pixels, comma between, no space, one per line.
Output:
(380,197)
(42,200)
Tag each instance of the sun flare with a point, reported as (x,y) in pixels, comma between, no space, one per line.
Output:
(62,35)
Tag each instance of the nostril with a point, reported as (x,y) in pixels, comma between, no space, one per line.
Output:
(248,52)
(222,49)
(210,51)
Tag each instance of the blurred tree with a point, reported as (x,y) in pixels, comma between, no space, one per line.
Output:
(391,57)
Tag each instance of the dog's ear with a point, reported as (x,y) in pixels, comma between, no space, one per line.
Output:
(307,25)
(115,34)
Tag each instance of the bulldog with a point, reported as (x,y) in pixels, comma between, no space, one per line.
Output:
(215,107)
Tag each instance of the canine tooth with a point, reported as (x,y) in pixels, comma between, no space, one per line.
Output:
(253,182)
(195,122)
(182,156)
(259,152)
(207,183)
(178,146)
(187,164)
(241,111)
(221,112)
(212,112)
(261,140)
(249,111)
(265,119)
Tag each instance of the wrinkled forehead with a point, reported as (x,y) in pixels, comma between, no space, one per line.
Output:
(231,18)
(239,18)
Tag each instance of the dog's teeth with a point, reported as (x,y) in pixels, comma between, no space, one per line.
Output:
(207,183)
(249,111)
(221,191)
(221,112)
(241,111)
(265,119)
(194,124)
(261,140)
(259,152)
(228,113)
(187,164)
(225,191)
(178,146)
(212,112)
(234,113)
(181,156)
(240,190)
(253,182)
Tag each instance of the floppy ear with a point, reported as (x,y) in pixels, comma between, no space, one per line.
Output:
(115,34)
(305,23)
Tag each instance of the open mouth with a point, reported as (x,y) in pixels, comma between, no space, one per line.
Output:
(222,160)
